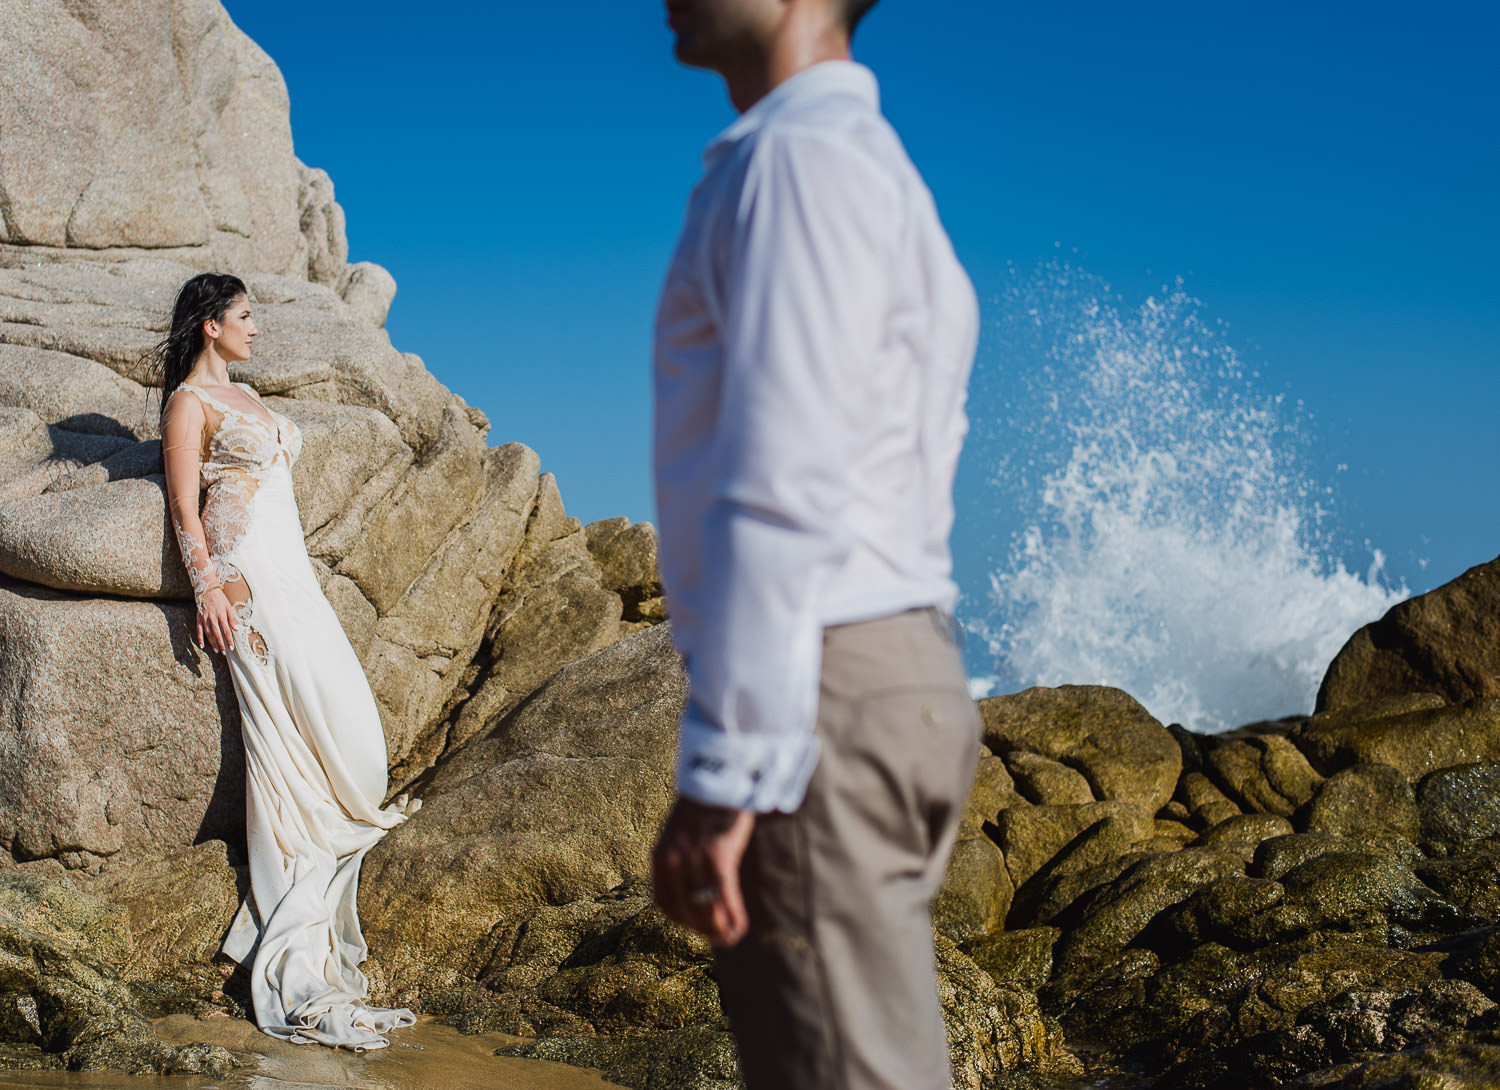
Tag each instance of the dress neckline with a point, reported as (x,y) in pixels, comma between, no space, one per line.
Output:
(225,407)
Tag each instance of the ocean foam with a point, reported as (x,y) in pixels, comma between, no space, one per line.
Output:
(1171,542)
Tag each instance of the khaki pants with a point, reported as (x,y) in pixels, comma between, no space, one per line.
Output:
(834,987)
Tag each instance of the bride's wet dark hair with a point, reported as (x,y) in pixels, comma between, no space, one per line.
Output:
(205,296)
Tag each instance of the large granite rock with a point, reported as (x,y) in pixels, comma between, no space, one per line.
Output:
(127,127)
(1445,642)
(558,803)
(118,735)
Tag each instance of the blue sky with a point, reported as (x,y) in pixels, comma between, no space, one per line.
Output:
(1322,175)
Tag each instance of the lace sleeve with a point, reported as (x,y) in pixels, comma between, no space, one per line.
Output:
(182,452)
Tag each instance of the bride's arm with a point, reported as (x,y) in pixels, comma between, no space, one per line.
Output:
(181,447)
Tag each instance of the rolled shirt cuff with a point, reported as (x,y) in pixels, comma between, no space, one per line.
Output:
(760,772)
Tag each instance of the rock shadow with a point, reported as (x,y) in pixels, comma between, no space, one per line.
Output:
(224,815)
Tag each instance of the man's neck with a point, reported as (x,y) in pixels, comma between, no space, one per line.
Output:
(799,43)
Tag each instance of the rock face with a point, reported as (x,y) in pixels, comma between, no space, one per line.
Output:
(126,126)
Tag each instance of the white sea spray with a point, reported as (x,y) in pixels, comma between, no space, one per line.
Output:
(1170,540)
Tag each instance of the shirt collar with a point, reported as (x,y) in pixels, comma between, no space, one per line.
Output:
(815,81)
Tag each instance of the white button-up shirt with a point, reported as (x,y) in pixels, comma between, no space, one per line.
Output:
(813,347)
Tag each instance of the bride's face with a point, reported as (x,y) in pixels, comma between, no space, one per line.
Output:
(234,333)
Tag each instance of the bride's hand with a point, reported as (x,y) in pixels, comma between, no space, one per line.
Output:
(216,620)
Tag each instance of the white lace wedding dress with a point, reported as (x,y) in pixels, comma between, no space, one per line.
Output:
(314,750)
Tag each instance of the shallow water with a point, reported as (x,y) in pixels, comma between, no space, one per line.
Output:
(428,1056)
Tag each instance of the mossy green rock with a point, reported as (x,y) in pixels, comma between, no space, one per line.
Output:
(1103,733)
(1264,774)
(1459,807)
(1018,957)
(1407,733)
(62,1001)
(1362,801)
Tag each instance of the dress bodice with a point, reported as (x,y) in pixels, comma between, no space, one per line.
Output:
(244,443)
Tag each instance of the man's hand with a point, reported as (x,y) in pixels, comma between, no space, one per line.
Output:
(696,867)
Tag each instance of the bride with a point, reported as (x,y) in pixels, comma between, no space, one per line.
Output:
(314,750)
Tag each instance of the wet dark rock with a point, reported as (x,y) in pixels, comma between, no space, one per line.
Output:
(1480,964)
(1107,919)
(1472,882)
(1359,893)
(1263,774)
(1222,911)
(1459,807)
(1362,801)
(1417,734)
(63,1003)
(1445,642)
(1276,856)
(1021,957)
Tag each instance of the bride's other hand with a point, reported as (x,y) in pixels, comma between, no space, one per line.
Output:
(216,620)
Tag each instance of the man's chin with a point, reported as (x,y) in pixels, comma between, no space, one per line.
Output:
(692,53)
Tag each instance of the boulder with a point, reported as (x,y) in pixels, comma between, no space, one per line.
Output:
(1445,642)
(993,789)
(1244,833)
(1031,835)
(977,892)
(1470,881)
(1047,782)
(121,737)
(1021,957)
(1121,751)
(178,907)
(994,1027)
(1416,734)
(560,802)
(1263,773)
(1109,918)
(1459,807)
(1277,855)
(1095,856)
(1205,804)
(1362,801)
(369,291)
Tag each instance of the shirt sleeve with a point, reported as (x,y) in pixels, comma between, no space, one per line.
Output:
(181,448)
(801,305)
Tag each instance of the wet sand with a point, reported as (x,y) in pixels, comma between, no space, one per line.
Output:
(427,1056)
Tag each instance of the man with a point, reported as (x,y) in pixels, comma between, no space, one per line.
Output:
(814,341)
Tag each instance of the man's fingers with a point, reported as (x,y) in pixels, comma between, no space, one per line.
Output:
(731,920)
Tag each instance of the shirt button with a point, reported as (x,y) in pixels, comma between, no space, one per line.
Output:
(932,716)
